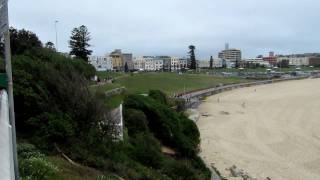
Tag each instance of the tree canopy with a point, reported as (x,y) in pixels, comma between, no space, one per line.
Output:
(23,41)
(50,45)
(79,43)
(193,64)
(211,62)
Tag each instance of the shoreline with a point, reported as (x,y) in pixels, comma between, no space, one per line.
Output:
(234,133)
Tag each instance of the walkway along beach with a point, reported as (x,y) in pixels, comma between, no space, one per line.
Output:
(269,130)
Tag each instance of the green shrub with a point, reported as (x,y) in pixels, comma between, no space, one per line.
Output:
(146,150)
(37,168)
(33,164)
(53,127)
(135,121)
(159,96)
(168,126)
(26,150)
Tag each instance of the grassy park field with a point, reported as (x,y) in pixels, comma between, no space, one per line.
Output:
(170,83)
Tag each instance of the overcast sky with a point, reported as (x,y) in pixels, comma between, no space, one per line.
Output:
(167,27)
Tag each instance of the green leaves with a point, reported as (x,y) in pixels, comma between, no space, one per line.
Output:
(79,43)
(34,165)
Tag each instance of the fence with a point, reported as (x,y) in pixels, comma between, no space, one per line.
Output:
(6,157)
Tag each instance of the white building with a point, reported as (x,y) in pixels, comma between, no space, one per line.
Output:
(183,63)
(101,63)
(217,63)
(259,61)
(295,61)
(158,64)
(149,64)
(204,64)
(139,63)
(233,55)
(175,65)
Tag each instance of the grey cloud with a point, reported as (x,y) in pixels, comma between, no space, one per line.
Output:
(169,26)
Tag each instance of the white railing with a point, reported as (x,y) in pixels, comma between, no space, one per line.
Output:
(6,152)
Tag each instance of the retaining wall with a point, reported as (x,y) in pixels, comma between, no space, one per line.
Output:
(192,98)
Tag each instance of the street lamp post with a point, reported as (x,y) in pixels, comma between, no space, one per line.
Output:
(56,30)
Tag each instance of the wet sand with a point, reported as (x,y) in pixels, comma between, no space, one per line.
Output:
(268,131)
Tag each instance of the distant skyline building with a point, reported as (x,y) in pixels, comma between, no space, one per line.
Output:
(119,60)
(272,59)
(101,63)
(233,55)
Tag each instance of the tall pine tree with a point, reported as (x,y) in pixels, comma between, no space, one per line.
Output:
(193,64)
(79,43)
(126,68)
(211,62)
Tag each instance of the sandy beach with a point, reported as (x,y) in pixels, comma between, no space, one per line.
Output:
(268,131)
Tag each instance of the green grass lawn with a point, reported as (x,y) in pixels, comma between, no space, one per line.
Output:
(106,74)
(105,87)
(172,82)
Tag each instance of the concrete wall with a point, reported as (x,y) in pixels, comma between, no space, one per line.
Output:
(192,98)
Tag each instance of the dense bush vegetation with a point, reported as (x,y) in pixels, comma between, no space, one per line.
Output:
(55,110)
(171,128)
(33,164)
(168,128)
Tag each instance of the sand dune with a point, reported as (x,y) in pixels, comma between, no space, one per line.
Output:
(268,131)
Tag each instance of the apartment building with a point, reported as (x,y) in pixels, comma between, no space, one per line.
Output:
(233,55)
(148,63)
(127,59)
(183,63)
(204,64)
(254,61)
(119,60)
(297,60)
(158,64)
(174,63)
(217,63)
(139,63)
(101,63)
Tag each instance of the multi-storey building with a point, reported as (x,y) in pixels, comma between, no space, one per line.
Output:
(233,55)
(148,63)
(174,61)
(139,63)
(166,62)
(272,59)
(297,60)
(217,63)
(314,61)
(255,61)
(158,64)
(101,63)
(204,64)
(127,59)
(183,63)
(119,60)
